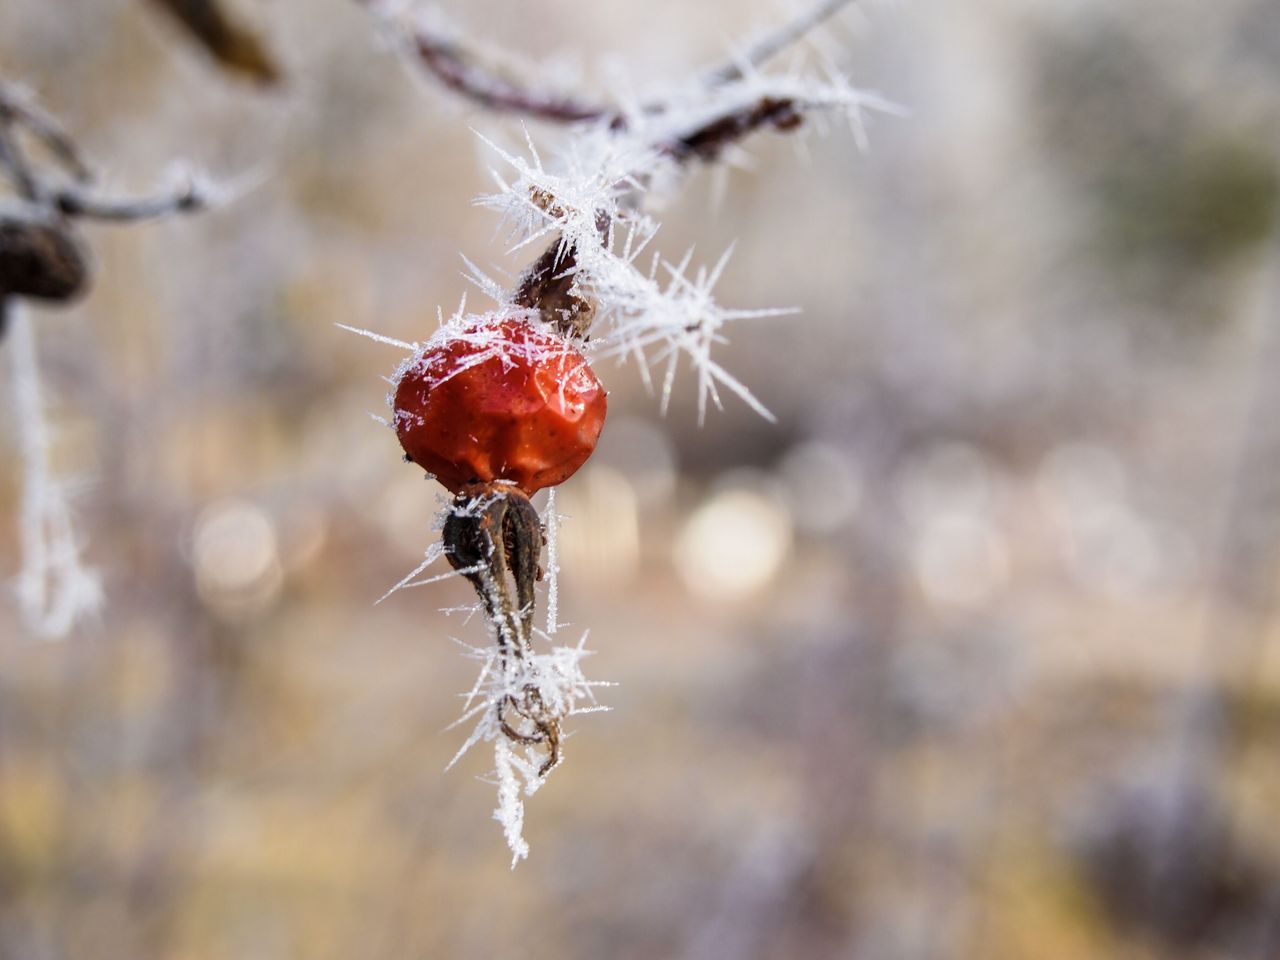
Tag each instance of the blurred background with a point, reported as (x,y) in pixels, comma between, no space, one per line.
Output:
(971,655)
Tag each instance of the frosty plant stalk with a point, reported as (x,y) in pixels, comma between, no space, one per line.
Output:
(500,404)
(43,258)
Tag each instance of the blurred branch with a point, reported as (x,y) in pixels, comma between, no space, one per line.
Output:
(775,42)
(460,71)
(42,257)
(41,254)
(54,588)
(232,44)
(186,198)
(18,109)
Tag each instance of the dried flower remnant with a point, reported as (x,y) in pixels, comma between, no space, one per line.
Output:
(587,294)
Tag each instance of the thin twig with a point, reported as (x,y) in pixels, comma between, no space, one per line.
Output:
(13,160)
(17,107)
(456,70)
(459,70)
(707,142)
(75,203)
(18,110)
(548,283)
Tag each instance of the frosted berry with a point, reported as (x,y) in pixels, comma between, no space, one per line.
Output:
(498,398)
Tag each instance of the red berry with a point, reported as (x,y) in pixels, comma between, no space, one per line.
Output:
(498,399)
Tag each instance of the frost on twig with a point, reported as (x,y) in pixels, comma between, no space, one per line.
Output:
(67,191)
(54,589)
(428,37)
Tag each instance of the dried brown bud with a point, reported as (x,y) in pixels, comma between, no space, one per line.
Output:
(44,259)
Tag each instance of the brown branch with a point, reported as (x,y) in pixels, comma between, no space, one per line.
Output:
(547,286)
(229,42)
(459,70)
(706,143)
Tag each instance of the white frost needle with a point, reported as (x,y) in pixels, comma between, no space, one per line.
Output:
(377,337)
(434,553)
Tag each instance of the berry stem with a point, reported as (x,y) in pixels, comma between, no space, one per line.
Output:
(494,537)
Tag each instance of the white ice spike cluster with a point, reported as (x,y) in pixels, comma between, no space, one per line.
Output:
(653,310)
(653,316)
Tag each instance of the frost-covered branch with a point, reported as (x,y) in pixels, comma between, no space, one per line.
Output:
(54,589)
(446,56)
(189,195)
(19,109)
(589,208)
(43,257)
(72,195)
(450,60)
(41,252)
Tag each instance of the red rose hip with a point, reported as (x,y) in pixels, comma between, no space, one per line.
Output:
(498,398)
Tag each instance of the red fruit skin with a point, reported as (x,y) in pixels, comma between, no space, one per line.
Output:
(499,399)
